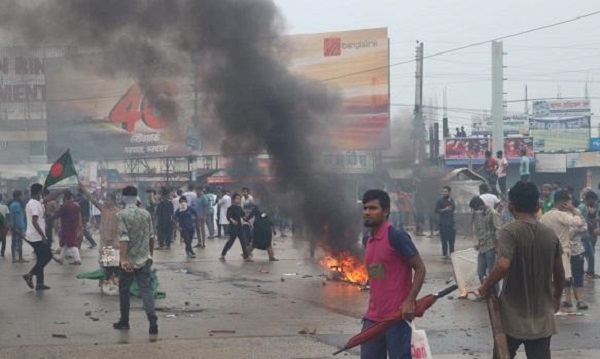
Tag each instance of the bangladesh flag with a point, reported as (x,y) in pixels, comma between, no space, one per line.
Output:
(61,169)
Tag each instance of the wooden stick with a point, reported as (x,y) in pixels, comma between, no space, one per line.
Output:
(500,343)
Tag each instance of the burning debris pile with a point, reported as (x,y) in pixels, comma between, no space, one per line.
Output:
(346,267)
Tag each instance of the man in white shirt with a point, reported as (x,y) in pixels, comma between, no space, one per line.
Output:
(490,200)
(224,204)
(36,237)
(502,171)
(3,207)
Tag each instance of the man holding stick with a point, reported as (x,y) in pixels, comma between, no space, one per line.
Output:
(529,261)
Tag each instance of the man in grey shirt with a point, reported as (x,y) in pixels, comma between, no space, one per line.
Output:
(135,251)
(529,261)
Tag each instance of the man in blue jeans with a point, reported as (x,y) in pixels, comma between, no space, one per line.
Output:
(396,275)
(486,221)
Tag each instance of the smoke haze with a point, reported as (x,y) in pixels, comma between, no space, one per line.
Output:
(237,47)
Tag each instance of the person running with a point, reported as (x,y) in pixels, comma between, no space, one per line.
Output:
(529,263)
(445,208)
(17,227)
(36,236)
(186,219)
(164,220)
(70,228)
(263,230)
(396,275)
(136,245)
(84,206)
(235,215)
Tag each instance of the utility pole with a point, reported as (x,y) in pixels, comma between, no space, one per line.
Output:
(418,112)
(497,96)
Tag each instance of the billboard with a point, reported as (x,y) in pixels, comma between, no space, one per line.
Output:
(561,108)
(114,117)
(551,162)
(101,117)
(356,63)
(465,148)
(513,125)
(474,148)
(560,133)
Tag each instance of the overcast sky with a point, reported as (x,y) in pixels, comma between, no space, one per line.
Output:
(553,61)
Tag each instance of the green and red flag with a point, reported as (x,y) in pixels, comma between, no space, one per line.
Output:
(61,169)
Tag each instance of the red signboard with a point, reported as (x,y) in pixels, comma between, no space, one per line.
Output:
(474,148)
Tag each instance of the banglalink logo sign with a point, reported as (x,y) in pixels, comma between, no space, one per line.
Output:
(334,46)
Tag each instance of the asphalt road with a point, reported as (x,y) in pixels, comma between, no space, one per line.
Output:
(267,304)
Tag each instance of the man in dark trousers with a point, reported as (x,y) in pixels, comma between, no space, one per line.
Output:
(163,218)
(186,219)
(396,275)
(36,237)
(235,215)
(136,245)
(445,208)
(84,207)
(530,265)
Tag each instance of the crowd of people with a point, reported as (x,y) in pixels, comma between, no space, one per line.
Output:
(196,214)
(573,219)
(128,230)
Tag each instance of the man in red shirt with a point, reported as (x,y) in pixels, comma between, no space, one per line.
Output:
(391,259)
(489,168)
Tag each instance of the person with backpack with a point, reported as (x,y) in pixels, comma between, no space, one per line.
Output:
(396,275)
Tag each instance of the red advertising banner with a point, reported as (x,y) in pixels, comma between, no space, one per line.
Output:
(465,148)
(474,148)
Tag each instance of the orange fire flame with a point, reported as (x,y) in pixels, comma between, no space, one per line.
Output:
(352,268)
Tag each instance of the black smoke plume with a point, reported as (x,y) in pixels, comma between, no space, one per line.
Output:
(237,47)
